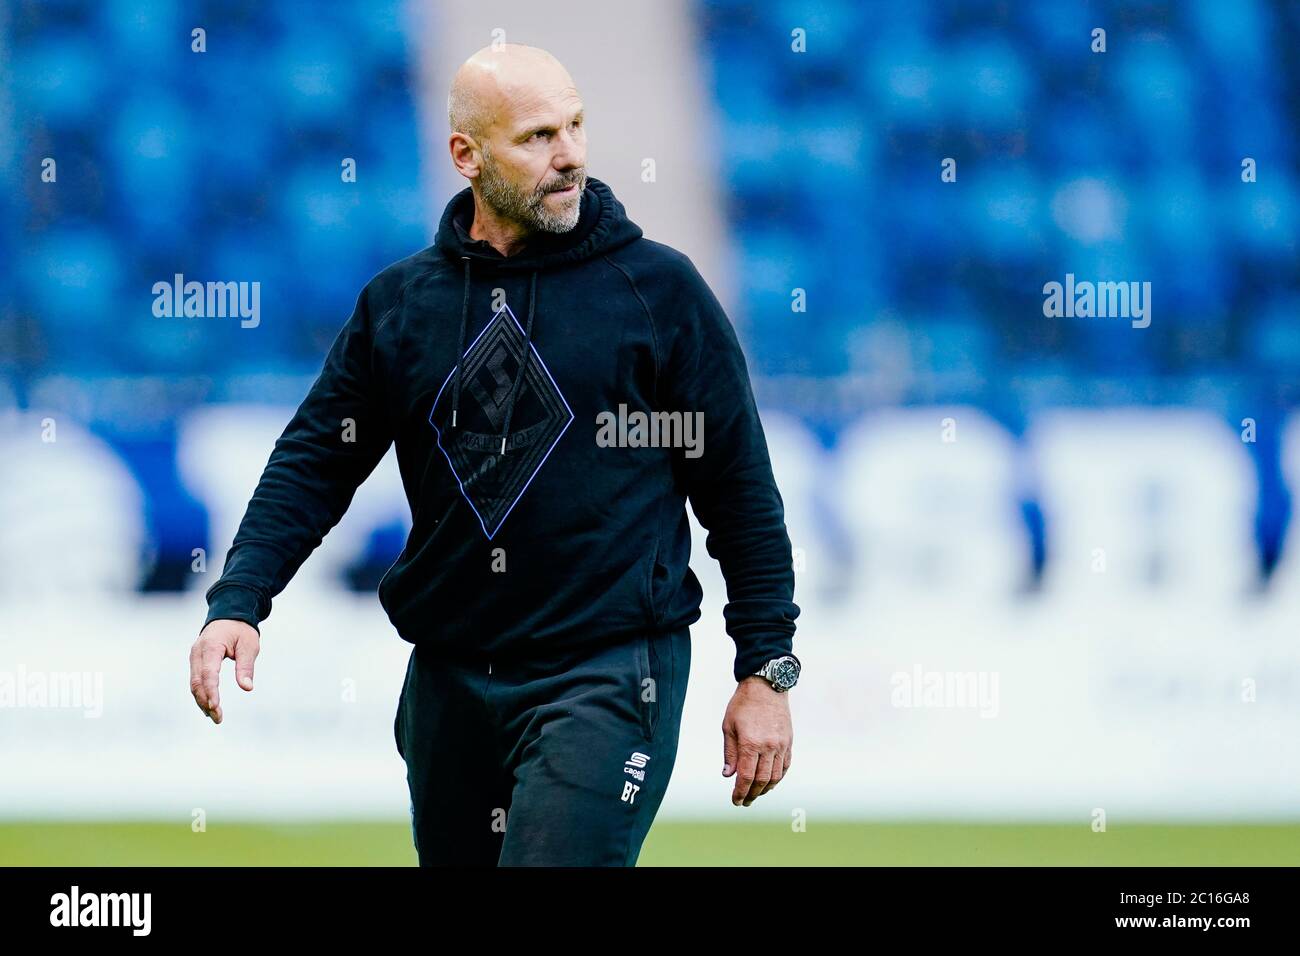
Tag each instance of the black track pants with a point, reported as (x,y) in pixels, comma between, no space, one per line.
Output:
(528,764)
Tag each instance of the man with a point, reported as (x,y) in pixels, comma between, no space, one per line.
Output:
(557,387)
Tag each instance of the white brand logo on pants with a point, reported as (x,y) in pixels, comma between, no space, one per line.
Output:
(634,765)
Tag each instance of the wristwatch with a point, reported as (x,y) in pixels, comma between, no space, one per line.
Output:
(781,672)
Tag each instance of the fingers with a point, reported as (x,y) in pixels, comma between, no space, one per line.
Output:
(246,652)
(779,766)
(729,750)
(762,776)
(212,655)
(746,771)
(760,768)
(196,677)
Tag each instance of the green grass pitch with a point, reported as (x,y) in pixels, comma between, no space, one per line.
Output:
(671,843)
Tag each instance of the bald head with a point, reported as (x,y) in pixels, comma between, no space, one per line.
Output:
(497,77)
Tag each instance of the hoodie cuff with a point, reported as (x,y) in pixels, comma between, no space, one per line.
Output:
(234,602)
(758,651)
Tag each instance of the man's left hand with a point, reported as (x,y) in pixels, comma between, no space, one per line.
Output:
(756,739)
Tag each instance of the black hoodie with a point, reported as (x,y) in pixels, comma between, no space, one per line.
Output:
(539,522)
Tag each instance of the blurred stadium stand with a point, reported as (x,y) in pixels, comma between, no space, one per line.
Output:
(925,293)
(219,166)
(920,293)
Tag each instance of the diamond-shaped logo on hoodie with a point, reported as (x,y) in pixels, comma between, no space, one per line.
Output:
(491,482)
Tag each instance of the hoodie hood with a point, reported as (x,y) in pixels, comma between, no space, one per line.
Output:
(602,226)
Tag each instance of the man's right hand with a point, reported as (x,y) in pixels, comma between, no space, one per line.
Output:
(220,640)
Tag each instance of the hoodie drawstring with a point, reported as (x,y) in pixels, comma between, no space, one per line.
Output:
(460,345)
(523,364)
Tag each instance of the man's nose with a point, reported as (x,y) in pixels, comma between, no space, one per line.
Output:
(570,152)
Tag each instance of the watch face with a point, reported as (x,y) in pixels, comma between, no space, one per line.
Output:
(785,672)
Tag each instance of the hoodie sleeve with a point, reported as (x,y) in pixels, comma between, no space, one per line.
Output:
(730,483)
(333,442)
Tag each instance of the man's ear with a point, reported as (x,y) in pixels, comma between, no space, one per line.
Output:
(466,155)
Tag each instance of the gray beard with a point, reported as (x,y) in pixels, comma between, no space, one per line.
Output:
(527,208)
